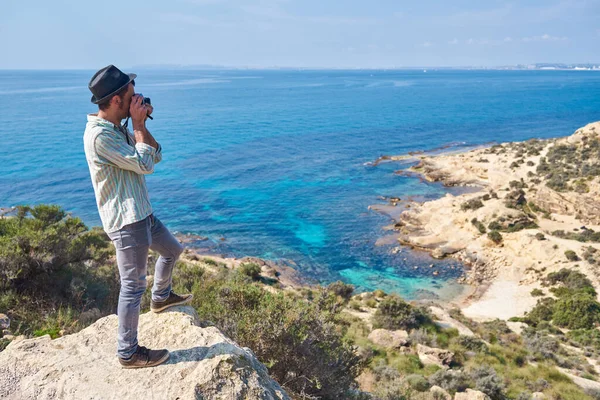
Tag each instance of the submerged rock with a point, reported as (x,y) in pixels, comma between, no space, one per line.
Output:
(204,364)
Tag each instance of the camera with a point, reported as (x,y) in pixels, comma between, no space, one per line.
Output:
(145,100)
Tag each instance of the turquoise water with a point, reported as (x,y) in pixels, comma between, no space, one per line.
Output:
(274,161)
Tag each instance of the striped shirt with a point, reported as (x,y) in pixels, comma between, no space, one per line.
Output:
(118,166)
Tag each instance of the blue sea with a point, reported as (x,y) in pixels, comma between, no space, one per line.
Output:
(274,164)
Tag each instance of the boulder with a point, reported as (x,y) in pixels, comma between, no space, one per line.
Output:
(432,355)
(471,394)
(204,364)
(389,339)
(538,396)
(439,393)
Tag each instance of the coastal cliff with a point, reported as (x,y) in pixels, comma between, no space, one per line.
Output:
(204,364)
(537,210)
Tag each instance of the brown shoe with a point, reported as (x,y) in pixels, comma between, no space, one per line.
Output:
(173,300)
(144,357)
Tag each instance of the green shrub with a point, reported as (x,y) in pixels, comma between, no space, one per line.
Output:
(417,382)
(341,289)
(575,281)
(537,292)
(540,236)
(585,337)
(297,340)
(355,305)
(495,237)
(372,303)
(187,275)
(579,311)
(251,270)
(479,225)
(571,255)
(488,382)
(495,226)
(50,261)
(451,380)
(517,184)
(394,313)
(542,311)
(471,343)
(515,199)
(472,204)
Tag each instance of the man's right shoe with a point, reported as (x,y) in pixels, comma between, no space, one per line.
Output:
(143,358)
(173,300)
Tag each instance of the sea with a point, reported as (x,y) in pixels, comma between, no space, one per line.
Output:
(278,164)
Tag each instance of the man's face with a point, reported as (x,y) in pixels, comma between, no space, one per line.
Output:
(127,98)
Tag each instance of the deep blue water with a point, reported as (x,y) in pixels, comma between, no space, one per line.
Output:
(274,161)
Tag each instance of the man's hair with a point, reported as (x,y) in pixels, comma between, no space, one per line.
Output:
(106,103)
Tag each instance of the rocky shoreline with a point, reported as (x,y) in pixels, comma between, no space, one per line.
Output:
(534,202)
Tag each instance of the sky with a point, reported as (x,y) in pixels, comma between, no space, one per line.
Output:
(60,34)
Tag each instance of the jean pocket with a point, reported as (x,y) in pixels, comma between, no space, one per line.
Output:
(133,236)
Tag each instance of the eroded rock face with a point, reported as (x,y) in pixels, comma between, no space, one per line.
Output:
(204,364)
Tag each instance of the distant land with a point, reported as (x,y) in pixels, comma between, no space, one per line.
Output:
(520,67)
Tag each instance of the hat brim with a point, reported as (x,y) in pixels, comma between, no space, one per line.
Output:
(98,101)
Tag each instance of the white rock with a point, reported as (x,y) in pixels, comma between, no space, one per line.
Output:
(439,393)
(471,394)
(204,364)
(431,355)
(389,339)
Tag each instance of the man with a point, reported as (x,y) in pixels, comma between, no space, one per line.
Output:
(118,163)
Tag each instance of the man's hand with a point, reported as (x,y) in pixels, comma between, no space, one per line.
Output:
(138,111)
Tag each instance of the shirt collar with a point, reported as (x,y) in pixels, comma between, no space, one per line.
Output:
(94,118)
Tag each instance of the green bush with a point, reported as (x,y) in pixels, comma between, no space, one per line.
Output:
(479,225)
(515,199)
(579,311)
(495,237)
(537,292)
(542,311)
(575,281)
(297,340)
(488,382)
(571,255)
(540,236)
(50,261)
(251,270)
(394,313)
(341,289)
(472,204)
(451,380)
(471,343)
(417,382)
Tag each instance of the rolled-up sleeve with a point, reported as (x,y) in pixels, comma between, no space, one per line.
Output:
(158,154)
(114,149)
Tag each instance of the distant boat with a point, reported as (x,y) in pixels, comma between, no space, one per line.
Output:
(424,70)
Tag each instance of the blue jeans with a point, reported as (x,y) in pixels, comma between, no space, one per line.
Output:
(132,243)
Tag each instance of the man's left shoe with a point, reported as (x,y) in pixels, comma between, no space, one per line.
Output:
(173,300)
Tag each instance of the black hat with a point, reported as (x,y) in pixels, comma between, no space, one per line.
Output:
(107,82)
